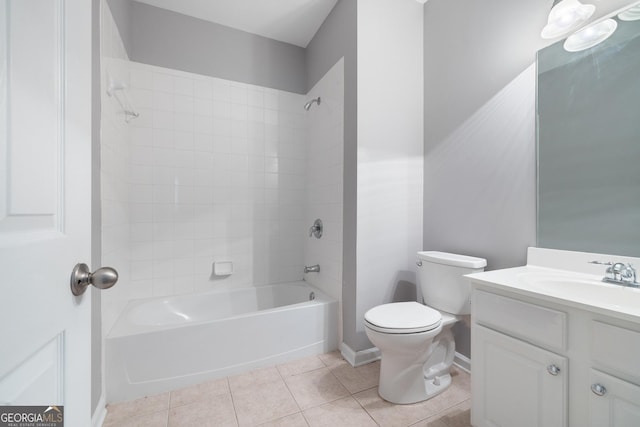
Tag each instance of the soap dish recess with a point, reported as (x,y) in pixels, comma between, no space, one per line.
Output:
(223,268)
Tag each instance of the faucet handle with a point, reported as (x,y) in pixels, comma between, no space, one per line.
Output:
(609,272)
(628,274)
(316,229)
(622,274)
(617,270)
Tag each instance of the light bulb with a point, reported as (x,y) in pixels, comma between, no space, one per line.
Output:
(565,16)
(590,36)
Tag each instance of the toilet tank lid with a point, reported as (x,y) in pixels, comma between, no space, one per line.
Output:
(453,260)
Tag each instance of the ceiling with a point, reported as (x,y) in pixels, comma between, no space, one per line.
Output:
(289,21)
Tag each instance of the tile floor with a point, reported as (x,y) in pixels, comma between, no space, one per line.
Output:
(316,391)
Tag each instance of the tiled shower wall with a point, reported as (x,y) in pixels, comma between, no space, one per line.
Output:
(114,170)
(217,174)
(325,135)
(215,170)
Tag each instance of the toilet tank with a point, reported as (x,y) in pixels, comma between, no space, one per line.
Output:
(441,279)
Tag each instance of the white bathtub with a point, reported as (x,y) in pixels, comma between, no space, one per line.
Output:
(162,344)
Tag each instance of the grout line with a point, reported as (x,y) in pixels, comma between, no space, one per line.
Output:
(300,410)
(305,418)
(291,394)
(233,404)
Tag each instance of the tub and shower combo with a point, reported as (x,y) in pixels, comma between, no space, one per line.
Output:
(162,344)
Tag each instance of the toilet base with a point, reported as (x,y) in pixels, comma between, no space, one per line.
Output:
(408,377)
(411,386)
(437,385)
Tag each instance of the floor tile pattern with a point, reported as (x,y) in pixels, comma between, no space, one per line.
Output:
(315,391)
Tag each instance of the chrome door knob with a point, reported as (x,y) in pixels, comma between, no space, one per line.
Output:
(81,278)
(598,389)
(553,370)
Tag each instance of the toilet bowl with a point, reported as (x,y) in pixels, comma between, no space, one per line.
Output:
(416,341)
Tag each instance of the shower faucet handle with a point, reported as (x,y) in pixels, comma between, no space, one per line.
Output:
(316,229)
(311,269)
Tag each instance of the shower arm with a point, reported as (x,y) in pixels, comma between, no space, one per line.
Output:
(308,105)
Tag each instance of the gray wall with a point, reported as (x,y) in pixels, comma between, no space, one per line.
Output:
(336,38)
(168,39)
(96,216)
(390,152)
(121,12)
(480,130)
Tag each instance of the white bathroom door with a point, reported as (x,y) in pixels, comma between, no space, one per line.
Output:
(45,204)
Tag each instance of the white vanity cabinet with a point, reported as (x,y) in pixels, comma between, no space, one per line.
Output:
(518,376)
(613,402)
(615,355)
(515,383)
(540,363)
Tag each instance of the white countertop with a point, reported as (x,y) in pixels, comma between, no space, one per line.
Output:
(580,289)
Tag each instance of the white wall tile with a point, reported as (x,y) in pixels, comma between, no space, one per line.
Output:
(141,212)
(141,136)
(183,104)
(162,82)
(143,97)
(162,286)
(239,94)
(162,138)
(183,140)
(183,122)
(202,142)
(163,249)
(219,171)
(117,144)
(141,78)
(324,158)
(162,101)
(163,156)
(203,106)
(203,88)
(141,270)
(162,120)
(183,86)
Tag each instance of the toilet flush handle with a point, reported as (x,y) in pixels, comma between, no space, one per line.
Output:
(419,263)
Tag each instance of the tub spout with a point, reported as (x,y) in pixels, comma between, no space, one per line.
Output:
(312,269)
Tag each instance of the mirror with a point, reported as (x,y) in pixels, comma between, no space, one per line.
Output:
(588,145)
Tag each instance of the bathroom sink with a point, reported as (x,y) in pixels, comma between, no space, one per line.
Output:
(578,287)
(568,278)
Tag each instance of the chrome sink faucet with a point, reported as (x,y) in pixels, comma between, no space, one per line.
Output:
(621,274)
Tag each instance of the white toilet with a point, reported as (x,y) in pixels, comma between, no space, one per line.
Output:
(415,340)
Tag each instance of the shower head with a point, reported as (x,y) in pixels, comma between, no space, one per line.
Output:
(310,103)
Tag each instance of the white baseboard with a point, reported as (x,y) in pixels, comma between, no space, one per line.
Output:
(359,358)
(462,362)
(100,413)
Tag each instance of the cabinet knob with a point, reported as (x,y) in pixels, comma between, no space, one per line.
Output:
(598,389)
(553,370)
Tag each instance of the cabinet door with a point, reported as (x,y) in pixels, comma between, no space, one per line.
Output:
(516,384)
(616,403)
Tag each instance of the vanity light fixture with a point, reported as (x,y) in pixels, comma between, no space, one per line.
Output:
(631,14)
(565,16)
(590,36)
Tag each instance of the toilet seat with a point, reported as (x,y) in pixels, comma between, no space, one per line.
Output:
(402,318)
